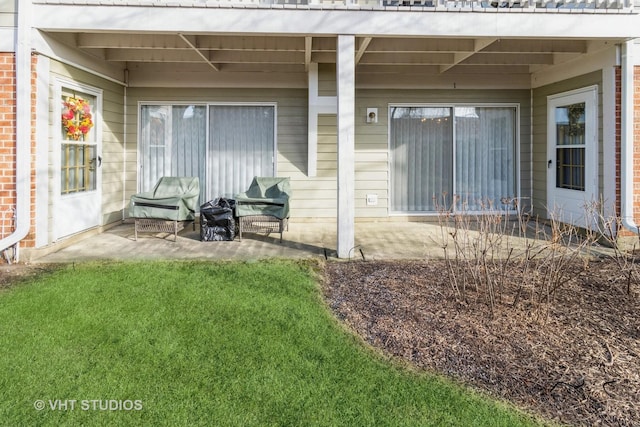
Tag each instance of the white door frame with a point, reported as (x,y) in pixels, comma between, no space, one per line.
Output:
(566,205)
(88,216)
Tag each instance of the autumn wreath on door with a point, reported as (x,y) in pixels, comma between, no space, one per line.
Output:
(77,120)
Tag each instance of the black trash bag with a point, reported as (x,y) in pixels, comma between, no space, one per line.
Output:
(217,220)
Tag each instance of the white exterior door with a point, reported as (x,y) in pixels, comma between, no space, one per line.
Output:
(572,168)
(79,196)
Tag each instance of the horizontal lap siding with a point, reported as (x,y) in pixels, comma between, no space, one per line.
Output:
(112,137)
(315,197)
(540,133)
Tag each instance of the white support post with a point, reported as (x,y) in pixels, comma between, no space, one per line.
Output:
(345,77)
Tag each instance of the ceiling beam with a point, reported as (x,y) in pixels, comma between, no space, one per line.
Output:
(407,58)
(537,46)
(308,43)
(478,45)
(192,44)
(509,59)
(435,69)
(363,47)
(129,41)
(247,57)
(152,55)
(410,45)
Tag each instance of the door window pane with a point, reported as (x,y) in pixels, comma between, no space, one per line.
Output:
(570,148)
(570,168)
(421,144)
(78,168)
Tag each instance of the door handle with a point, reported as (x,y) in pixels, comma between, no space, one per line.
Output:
(99,161)
(549,163)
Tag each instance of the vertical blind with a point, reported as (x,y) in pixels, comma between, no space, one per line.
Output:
(242,146)
(173,142)
(438,152)
(421,150)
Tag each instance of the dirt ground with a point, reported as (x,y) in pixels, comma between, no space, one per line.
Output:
(14,273)
(575,360)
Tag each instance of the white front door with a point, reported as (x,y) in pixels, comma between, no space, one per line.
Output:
(572,168)
(78,206)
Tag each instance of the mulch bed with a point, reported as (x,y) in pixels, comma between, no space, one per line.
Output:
(574,359)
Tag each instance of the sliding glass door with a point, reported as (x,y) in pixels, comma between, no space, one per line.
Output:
(225,146)
(452,156)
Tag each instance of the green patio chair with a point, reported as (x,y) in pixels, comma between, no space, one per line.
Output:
(167,207)
(264,207)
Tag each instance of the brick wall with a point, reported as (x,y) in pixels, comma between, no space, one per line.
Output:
(636,138)
(8,147)
(7,142)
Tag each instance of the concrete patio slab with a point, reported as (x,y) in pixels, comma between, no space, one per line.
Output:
(374,240)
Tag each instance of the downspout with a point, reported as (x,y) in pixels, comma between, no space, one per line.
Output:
(626,138)
(23,126)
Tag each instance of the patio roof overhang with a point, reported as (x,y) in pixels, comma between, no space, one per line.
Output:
(231,46)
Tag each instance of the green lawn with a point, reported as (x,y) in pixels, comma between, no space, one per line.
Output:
(201,343)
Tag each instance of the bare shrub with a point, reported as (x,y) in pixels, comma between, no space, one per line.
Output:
(485,247)
(607,228)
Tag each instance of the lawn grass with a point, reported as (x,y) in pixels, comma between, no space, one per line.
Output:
(201,343)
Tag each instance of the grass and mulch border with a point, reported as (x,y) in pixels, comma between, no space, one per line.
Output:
(572,356)
(201,343)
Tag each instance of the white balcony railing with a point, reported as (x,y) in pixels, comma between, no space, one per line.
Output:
(546,6)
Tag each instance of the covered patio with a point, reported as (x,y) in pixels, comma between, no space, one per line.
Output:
(322,94)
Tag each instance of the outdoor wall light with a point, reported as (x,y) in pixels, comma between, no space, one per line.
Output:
(372,115)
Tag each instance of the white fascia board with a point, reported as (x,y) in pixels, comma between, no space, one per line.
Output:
(96,18)
(636,52)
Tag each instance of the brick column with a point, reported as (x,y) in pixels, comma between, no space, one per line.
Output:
(7,142)
(636,139)
(8,146)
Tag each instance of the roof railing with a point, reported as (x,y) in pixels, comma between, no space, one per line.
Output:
(546,6)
